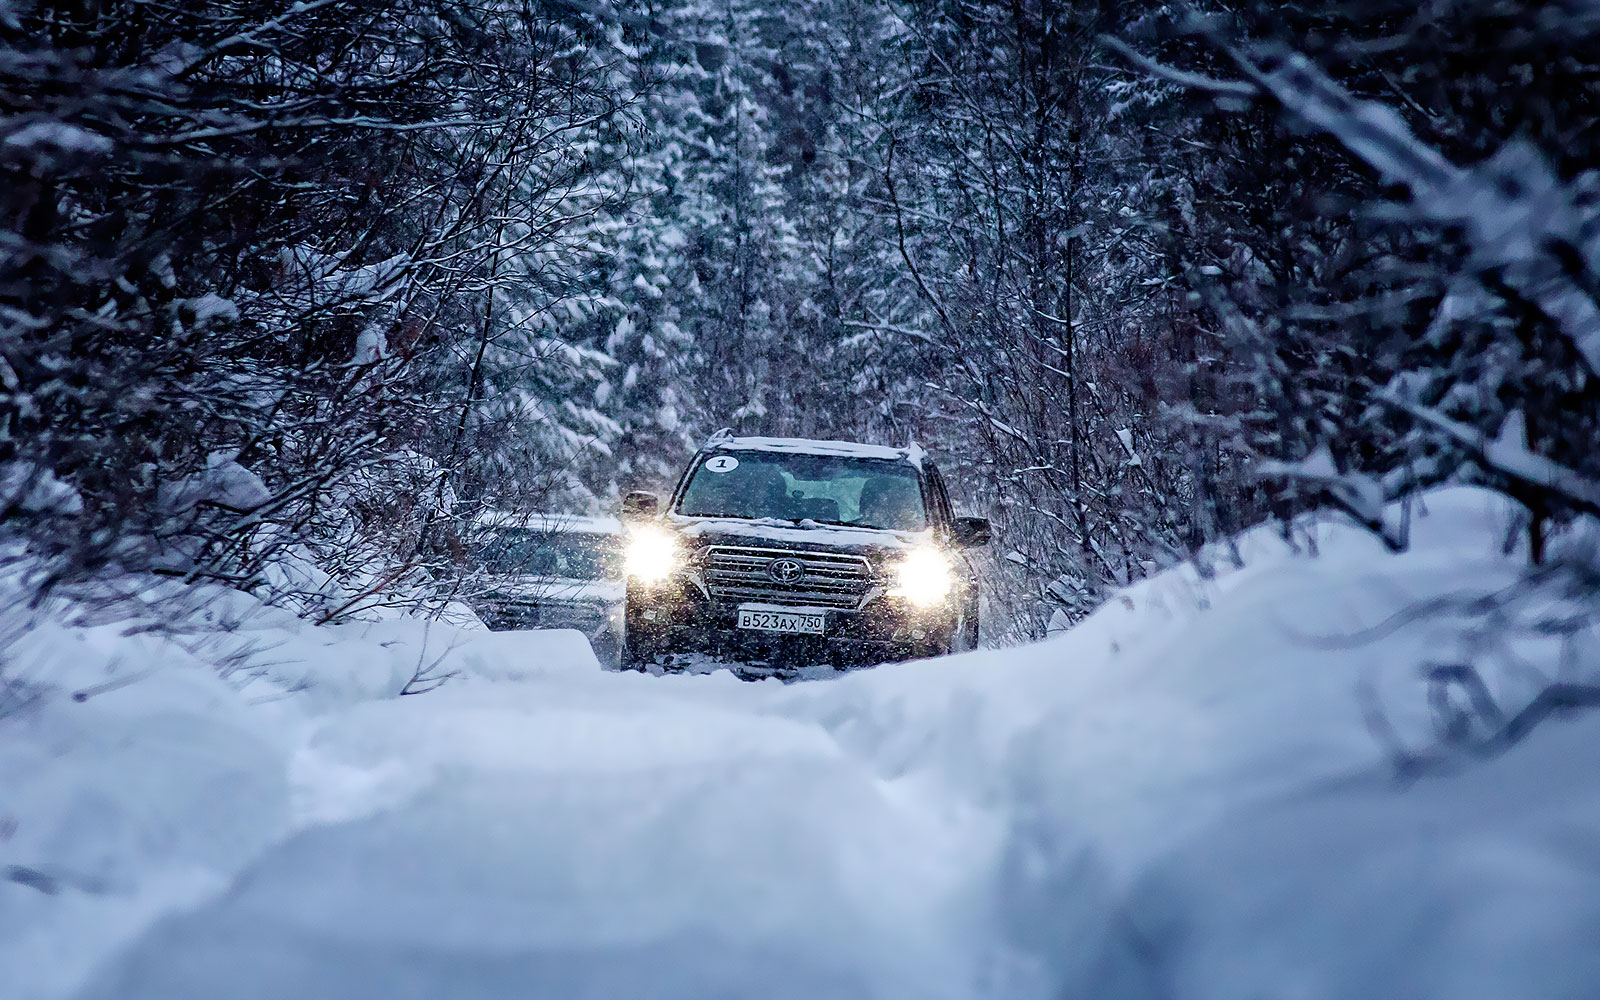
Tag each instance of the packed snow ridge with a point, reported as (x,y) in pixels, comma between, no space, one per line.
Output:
(1190,795)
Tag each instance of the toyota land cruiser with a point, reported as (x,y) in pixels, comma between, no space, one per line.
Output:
(798,552)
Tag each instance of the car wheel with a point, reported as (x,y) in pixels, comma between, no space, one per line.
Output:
(640,642)
(607,649)
(642,656)
(963,633)
(635,655)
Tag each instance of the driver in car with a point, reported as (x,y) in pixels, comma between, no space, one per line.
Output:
(754,489)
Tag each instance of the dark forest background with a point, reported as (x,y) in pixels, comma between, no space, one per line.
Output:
(290,292)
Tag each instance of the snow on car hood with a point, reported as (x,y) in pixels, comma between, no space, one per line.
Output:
(799,533)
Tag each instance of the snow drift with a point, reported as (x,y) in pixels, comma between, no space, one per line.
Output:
(1189,795)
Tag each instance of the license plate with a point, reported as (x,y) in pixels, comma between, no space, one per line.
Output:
(799,622)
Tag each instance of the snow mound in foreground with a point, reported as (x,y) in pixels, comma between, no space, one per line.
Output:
(1185,796)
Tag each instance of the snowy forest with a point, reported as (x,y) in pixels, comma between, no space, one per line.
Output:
(290,292)
(1257,343)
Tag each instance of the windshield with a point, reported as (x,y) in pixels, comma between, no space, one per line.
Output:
(571,555)
(829,489)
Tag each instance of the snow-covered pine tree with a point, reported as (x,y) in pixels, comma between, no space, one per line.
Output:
(701,273)
(1008,193)
(743,249)
(869,340)
(532,418)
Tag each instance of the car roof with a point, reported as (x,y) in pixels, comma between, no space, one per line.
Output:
(810,446)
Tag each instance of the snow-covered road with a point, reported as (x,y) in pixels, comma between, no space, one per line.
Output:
(590,841)
(1181,798)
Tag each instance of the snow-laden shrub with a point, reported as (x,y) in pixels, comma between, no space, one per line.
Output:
(248,254)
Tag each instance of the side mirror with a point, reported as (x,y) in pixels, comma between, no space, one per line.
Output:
(971,532)
(640,504)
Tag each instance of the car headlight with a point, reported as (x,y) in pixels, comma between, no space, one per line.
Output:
(924,577)
(652,555)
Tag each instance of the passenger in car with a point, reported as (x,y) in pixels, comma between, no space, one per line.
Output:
(890,502)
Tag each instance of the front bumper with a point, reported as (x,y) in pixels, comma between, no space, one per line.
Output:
(678,616)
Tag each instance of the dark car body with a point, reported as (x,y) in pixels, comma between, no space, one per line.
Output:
(739,581)
(554,571)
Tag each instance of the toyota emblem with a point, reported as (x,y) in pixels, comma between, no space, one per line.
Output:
(786,570)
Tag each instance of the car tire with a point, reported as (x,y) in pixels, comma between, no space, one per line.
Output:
(643,656)
(963,636)
(631,660)
(638,639)
(637,646)
(607,650)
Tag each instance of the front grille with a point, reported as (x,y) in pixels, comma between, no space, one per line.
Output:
(831,580)
(501,612)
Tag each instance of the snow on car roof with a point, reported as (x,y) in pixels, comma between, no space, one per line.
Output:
(809,446)
(544,522)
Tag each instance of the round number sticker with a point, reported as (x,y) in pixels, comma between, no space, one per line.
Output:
(722,463)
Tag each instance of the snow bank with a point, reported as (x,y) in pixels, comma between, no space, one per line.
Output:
(1182,797)
(143,797)
(140,772)
(1197,805)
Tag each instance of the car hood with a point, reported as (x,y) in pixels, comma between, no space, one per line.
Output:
(780,534)
(561,590)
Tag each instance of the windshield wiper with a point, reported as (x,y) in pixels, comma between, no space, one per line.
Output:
(797,520)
